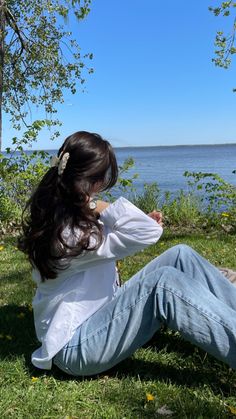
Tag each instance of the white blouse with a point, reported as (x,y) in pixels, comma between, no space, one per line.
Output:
(61,305)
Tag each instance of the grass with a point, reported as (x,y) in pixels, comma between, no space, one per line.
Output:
(184,379)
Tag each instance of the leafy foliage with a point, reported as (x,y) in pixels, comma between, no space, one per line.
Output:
(39,60)
(218,195)
(180,210)
(149,200)
(18,178)
(225,43)
(183,210)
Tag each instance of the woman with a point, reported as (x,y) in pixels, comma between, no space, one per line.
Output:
(84,321)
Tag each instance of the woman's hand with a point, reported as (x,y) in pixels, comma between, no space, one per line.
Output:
(157,216)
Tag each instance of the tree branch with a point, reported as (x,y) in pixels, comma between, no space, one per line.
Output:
(12,22)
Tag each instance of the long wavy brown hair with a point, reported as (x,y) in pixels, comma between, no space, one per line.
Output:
(61,201)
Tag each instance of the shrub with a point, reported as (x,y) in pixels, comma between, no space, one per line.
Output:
(18,178)
(183,209)
(149,200)
(217,196)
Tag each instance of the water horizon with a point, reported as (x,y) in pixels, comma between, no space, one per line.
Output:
(140,146)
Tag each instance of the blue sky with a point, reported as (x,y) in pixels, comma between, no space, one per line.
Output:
(153,82)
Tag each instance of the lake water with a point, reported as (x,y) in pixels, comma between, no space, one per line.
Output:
(166,165)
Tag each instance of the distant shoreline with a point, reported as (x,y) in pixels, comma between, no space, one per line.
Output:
(150,146)
(179,145)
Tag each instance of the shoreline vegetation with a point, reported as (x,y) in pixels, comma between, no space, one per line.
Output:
(208,203)
(168,377)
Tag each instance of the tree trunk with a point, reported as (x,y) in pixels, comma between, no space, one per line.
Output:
(2,33)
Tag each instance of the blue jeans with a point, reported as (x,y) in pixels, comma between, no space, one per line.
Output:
(179,289)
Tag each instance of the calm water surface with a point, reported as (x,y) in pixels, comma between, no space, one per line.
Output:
(166,165)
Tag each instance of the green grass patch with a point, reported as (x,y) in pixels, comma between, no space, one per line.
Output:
(179,376)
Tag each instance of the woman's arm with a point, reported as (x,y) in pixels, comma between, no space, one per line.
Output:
(155,215)
(127,230)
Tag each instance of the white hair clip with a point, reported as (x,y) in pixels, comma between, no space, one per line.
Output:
(60,162)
